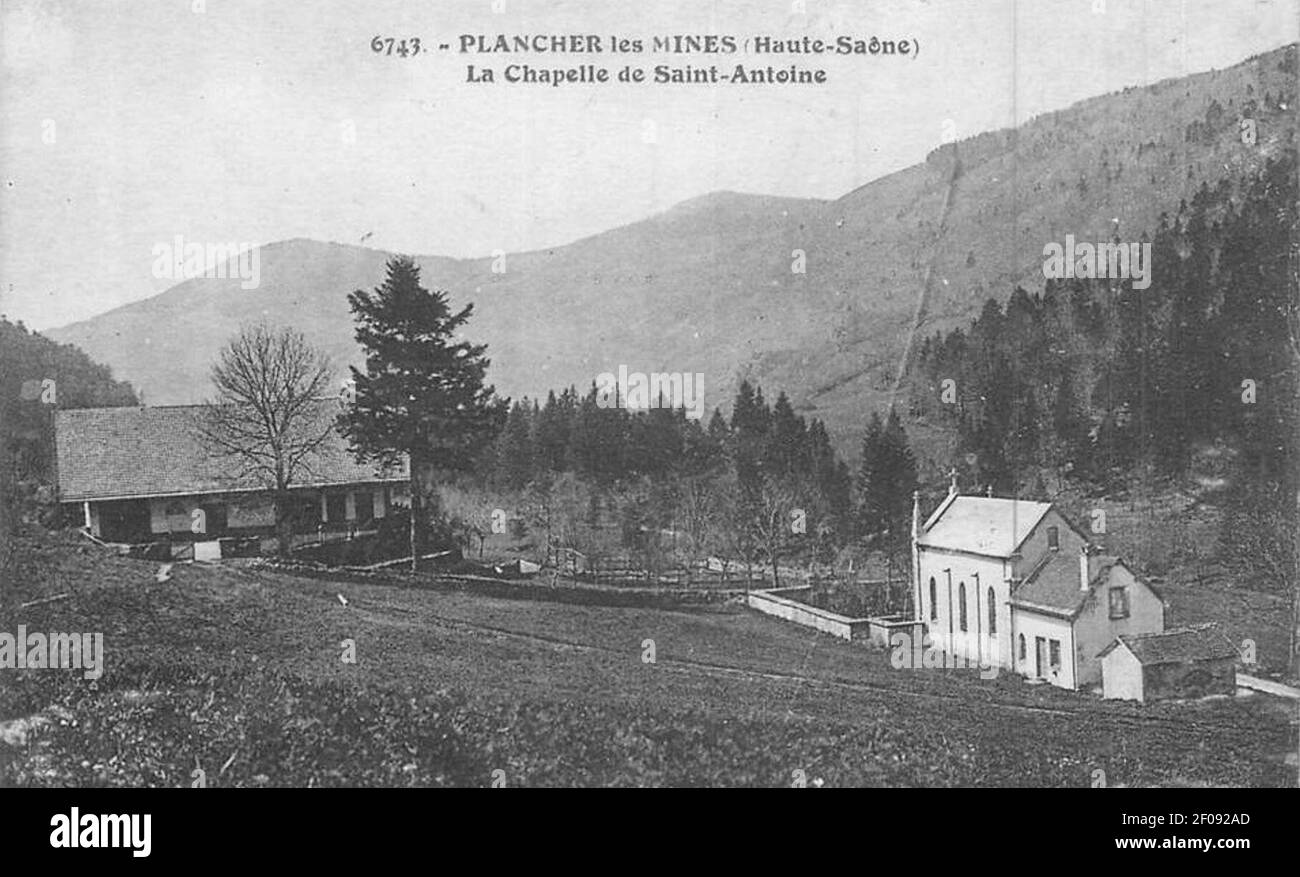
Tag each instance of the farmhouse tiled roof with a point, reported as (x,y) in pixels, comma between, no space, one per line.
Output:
(119,453)
(983,525)
(1202,642)
(1053,585)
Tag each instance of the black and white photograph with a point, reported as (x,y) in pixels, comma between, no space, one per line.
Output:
(738,393)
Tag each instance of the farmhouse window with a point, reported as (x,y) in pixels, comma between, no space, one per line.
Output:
(336,507)
(1055,647)
(1119,602)
(1053,538)
(178,516)
(1022,647)
(306,513)
(993,613)
(934,603)
(961,599)
(365,506)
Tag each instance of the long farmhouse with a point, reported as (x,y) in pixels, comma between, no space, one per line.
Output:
(1013,584)
(142,474)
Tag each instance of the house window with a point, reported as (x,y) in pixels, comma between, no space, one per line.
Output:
(934,603)
(336,507)
(305,514)
(1055,647)
(365,506)
(961,600)
(1119,602)
(1022,647)
(1053,538)
(178,516)
(993,613)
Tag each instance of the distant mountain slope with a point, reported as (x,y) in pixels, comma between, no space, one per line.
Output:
(708,286)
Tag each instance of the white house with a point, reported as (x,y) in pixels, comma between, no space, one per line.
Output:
(1012,583)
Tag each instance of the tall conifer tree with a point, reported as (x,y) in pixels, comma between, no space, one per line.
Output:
(422,392)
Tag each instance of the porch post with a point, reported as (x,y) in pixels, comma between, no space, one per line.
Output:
(85,508)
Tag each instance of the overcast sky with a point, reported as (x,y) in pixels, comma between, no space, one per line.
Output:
(232,124)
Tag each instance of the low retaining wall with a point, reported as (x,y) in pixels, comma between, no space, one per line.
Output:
(773,602)
(883,628)
(875,631)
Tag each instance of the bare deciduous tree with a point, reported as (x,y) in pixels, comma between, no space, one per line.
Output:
(266,415)
(771,518)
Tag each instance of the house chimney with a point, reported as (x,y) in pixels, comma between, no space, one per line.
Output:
(1084,571)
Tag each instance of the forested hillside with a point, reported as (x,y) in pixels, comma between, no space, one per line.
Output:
(1190,384)
(38,375)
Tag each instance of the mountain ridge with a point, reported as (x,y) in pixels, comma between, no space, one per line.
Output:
(714,284)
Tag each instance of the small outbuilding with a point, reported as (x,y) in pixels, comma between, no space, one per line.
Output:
(1181,663)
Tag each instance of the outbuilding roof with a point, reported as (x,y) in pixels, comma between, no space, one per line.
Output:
(120,453)
(1203,642)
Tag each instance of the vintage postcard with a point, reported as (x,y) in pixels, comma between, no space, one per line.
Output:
(542,393)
